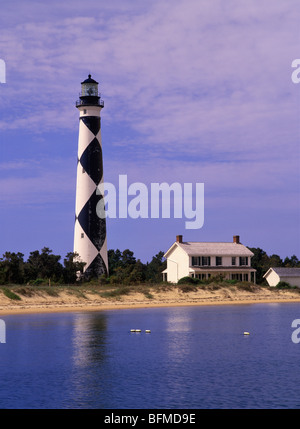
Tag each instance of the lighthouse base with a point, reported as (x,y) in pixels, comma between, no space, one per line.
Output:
(96,269)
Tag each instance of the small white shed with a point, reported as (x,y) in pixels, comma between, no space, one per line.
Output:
(282,274)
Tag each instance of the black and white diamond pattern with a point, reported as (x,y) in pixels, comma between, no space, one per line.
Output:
(90,229)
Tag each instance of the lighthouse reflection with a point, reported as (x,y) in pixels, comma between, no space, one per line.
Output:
(89,372)
(89,338)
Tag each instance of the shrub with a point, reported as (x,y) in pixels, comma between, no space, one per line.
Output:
(249,287)
(38,282)
(283,285)
(188,288)
(123,290)
(11,295)
(217,278)
(103,280)
(50,291)
(213,286)
(188,280)
(26,291)
(148,295)
(231,282)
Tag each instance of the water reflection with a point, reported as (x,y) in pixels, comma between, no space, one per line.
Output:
(178,320)
(178,324)
(89,356)
(89,338)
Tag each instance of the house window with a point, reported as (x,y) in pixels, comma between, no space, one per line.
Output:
(243,260)
(246,277)
(201,276)
(82,235)
(196,260)
(233,260)
(218,260)
(205,260)
(237,277)
(84,111)
(200,260)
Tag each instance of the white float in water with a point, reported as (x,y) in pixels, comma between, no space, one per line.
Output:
(246,333)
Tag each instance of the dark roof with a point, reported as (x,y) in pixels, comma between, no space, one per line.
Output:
(89,80)
(289,272)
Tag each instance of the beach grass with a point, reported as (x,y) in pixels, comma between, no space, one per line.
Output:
(93,294)
(10,294)
(123,289)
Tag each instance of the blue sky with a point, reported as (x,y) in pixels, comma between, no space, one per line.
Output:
(195,91)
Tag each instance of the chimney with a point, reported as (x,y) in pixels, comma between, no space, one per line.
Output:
(179,238)
(236,239)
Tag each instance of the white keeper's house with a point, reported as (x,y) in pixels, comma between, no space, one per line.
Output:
(205,260)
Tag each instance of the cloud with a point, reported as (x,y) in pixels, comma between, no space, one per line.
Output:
(29,182)
(194,60)
(198,79)
(194,90)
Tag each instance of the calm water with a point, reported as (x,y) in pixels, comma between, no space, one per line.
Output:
(194,358)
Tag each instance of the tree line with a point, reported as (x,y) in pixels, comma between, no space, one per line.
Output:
(43,266)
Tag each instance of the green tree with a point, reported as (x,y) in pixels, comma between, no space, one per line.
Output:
(155,268)
(72,267)
(260,261)
(120,264)
(275,261)
(114,260)
(43,265)
(127,258)
(292,262)
(12,268)
(137,273)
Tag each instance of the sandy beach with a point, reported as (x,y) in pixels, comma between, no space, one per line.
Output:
(78,299)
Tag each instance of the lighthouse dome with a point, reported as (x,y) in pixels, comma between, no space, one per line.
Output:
(89,80)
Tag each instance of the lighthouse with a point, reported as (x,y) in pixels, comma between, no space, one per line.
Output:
(90,229)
